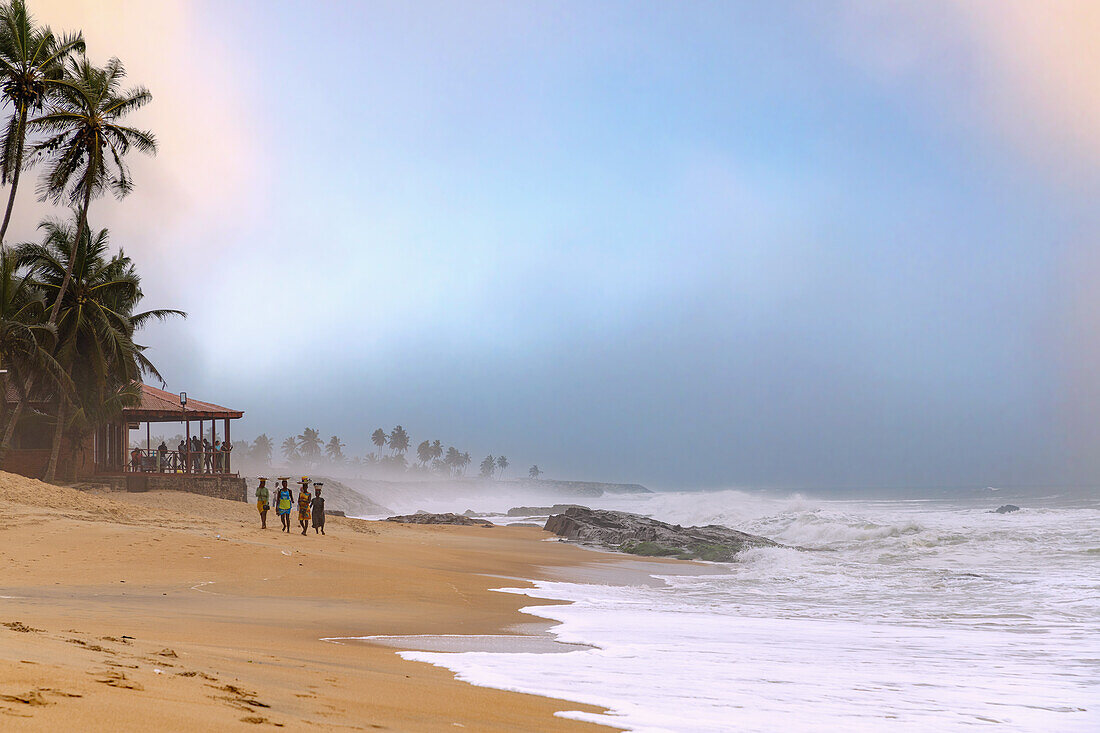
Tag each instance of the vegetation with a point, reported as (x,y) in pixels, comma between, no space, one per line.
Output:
(69,306)
(307,451)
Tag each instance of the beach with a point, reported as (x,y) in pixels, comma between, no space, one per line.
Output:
(171,611)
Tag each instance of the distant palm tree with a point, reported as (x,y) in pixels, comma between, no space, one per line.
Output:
(534,472)
(453,460)
(309,443)
(290,449)
(424,452)
(399,440)
(502,463)
(85,145)
(437,450)
(488,467)
(378,437)
(466,461)
(261,449)
(335,450)
(32,64)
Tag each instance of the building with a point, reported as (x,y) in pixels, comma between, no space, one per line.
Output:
(112,457)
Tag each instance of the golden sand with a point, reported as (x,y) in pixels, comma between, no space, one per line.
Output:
(170,611)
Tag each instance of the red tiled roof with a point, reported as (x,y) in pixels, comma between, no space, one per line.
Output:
(158,405)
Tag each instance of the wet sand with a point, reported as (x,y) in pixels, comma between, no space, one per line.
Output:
(170,611)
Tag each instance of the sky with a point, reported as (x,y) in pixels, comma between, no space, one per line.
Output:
(691,245)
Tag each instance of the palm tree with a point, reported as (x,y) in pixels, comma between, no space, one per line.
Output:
(25,339)
(534,472)
(436,450)
(488,467)
(32,63)
(502,463)
(309,443)
(453,459)
(261,449)
(95,322)
(399,441)
(290,449)
(335,450)
(378,437)
(84,143)
(466,461)
(424,452)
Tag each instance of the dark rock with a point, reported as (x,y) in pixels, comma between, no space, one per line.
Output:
(538,511)
(472,513)
(640,535)
(426,518)
(1006,509)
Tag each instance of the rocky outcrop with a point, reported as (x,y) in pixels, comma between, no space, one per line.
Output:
(538,511)
(640,535)
(425,518)
(1006,509)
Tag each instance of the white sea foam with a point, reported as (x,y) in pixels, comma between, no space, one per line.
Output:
(911,616)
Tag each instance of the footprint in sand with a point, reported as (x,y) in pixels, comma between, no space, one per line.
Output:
(119,680)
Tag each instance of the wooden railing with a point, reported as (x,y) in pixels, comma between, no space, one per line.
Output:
(141,460)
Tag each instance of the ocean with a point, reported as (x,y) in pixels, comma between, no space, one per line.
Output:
(909,615)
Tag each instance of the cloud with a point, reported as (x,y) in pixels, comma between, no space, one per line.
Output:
(209,166)
(1022,70)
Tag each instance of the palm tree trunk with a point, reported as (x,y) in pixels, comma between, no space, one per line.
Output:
(15,175)
(9,429)
(55,449)
(81,225)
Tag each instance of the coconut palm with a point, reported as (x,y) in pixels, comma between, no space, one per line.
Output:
(534,472)
(32,62)
(85,145)
(399,441)
(378,437)
(334,449)
(290,449)
(466,461)
(436,450)
(424,452)
(261,450)
(309,443)
(95,324)
(488,467)
(453,460)
(25,340)
(502,463)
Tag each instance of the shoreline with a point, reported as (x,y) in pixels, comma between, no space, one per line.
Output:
(122,609)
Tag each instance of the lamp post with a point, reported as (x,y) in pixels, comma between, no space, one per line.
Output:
(186,458)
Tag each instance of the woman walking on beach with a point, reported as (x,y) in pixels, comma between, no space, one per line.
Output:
(318,508)
(304,500)
(262,505)
(284,502)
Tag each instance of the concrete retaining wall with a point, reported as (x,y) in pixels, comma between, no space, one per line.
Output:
(219,487)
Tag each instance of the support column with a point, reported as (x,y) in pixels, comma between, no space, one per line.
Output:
(186,457)
(229,452)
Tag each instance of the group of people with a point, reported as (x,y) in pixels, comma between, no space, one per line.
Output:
(197,455)
(311,506)
(205,457)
